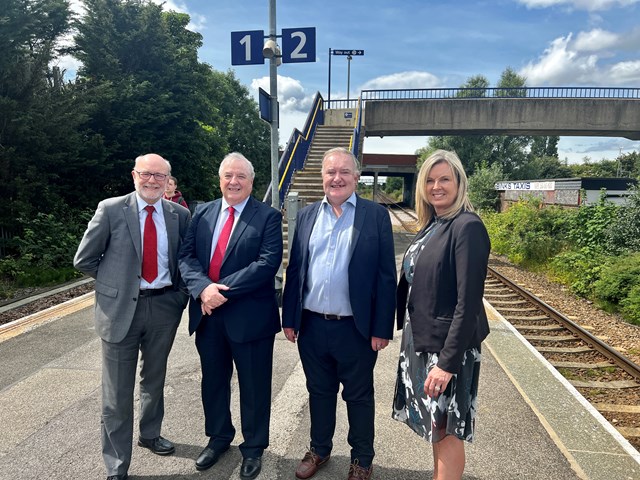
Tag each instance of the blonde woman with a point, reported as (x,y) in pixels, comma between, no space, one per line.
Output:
(439,306)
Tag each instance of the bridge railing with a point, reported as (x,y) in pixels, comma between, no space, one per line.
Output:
(517,92)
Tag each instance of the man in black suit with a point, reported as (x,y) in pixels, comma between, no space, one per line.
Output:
(339,304)
(229,259)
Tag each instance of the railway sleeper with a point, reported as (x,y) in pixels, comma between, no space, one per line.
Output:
(611,407)
(533,318)
(584,349)
(540,328)
(518,310)
(628,432)
(615,384)
(507,303)
(589,366)
(501,295)
(551,338)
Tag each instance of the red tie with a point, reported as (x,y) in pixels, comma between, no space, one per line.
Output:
(221,247)
(150,247)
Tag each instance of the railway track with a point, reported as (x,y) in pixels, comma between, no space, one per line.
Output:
(602,375)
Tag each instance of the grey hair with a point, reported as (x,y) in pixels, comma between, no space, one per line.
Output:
(236,156)
(342,151)
(141,157)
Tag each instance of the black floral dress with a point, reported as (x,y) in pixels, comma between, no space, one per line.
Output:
(452,412)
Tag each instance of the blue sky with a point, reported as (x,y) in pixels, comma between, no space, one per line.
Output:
(423,44)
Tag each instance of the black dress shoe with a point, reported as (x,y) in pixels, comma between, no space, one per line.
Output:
(250,468)
(158,445)
(209,457)
(118,477)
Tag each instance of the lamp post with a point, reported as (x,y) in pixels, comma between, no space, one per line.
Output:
(273,92)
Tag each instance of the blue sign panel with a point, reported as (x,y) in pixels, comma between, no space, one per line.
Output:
(264,102)
(246,47)
(298,45)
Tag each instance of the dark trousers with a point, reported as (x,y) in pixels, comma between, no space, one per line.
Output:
(334,352)
(253,361)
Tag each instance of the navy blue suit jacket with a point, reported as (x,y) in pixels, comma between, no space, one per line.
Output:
(249,266)
(372,270)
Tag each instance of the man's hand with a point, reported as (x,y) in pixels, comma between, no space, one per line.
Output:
(211,297)
(379,343)
(290,333)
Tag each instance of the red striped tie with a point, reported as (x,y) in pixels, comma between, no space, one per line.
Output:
(221,247)
(150,247)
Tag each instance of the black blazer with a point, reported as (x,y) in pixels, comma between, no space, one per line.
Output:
(445,305)
(372,270)
(249,266)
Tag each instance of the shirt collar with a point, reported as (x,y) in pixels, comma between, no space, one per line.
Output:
(238,208)
(142,203)
(351,200)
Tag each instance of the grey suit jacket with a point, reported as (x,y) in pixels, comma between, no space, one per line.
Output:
(111,252)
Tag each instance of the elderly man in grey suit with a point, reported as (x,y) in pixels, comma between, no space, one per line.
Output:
(130,247)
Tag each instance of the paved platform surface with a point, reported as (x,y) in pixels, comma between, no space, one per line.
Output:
(531,424)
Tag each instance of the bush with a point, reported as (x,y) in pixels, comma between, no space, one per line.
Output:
(617,280)
(527,233)
(578,269)
(45,249)
(624,233)
(631,305)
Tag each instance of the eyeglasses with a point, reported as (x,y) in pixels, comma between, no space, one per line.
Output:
(147,175)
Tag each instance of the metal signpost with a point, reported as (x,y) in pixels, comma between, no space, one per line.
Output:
(350,54)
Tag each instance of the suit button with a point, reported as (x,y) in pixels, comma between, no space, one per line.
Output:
(134,299)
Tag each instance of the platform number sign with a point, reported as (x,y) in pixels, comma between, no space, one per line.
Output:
(246,47)
(298,45)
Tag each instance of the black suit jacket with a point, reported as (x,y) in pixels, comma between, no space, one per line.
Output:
(372,270)
(445,305)
(249,266)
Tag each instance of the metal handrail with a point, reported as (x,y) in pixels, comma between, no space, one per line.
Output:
(497,92)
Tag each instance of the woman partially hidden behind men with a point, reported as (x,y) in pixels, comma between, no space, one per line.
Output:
(441,311)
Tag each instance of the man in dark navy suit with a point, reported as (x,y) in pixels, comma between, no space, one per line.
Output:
(229,259)
(339,304)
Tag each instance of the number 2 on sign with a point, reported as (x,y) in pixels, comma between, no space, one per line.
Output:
(303,40)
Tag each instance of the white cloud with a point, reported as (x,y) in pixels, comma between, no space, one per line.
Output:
(596,40)
(197,21)
(589,5)
(582,62)
(405,80)
(291,94)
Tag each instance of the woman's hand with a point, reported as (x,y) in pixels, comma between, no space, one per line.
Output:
(436,381)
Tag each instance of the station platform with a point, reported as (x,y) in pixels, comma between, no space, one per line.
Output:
(531,423)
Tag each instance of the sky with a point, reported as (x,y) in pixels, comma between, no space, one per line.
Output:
(431,44)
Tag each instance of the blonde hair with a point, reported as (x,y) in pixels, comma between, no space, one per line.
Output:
(424,209)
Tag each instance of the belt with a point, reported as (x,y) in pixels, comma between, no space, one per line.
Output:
(150,292)
(329,316)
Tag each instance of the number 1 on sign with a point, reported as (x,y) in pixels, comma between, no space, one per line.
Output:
(246,41)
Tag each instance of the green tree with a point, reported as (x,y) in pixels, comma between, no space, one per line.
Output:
(39,114)
(482,192)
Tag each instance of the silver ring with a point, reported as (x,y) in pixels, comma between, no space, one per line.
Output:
(437,387)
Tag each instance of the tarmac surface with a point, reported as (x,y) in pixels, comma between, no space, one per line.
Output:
(531,423)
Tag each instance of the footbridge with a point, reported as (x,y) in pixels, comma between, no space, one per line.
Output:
(567,111)
(562,111)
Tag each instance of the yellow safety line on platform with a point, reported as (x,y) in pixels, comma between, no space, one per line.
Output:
(17,327)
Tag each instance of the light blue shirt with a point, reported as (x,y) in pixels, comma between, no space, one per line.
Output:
(222,218)
(327,284)
(164,276)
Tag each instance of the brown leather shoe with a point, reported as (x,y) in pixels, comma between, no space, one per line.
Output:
(310,464)
(356,472)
